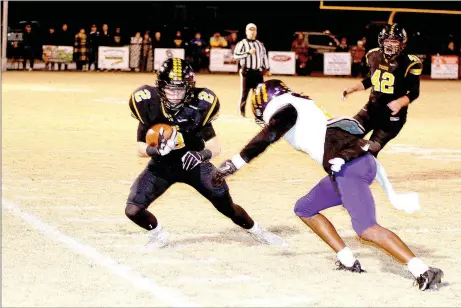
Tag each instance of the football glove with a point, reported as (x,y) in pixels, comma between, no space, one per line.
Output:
(192,159)
(336,164)
(227,168)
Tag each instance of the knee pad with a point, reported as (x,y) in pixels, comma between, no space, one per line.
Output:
(132,210)
(302,209)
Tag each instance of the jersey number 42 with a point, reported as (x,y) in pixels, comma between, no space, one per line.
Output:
(384,82)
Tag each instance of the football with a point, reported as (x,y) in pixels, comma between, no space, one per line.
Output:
(153,133)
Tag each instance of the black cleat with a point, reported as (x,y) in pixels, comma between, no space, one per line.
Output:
(430,279)
(356,268)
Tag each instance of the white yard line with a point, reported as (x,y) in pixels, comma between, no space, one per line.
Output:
(167,295)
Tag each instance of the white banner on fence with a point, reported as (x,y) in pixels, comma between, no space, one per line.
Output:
(162,54)
(222,60)
(282,62)
(444,67)
(337,63)
(113,57)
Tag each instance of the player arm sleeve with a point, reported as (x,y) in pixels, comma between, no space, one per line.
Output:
(412,79)
(279,124)
(208,132)
(366,81)
(142,131)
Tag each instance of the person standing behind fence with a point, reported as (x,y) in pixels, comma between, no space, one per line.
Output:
(80,50)
(93,45)
(29,45)
(252,57)
(135,51)
(146,54)
(65,39)
(357,53)
(50,40)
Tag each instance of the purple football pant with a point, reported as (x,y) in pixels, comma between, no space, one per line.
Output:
(353,182)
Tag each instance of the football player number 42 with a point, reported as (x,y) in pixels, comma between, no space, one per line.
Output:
(383,82)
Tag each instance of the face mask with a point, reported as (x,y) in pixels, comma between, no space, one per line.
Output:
(175,95)
(391,47)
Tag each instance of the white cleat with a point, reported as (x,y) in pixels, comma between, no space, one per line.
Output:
(268,238)
(159,238)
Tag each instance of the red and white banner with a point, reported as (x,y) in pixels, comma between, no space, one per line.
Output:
(337,63)
(444,67)
(282,62)
(222,60)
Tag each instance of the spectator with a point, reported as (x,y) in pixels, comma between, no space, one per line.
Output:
(93,45)
(343,47)
(105,39)
(146,55)
(178,42)
(301,49)
(358,52)
(450,49)
(232,41)
(217,41)
(365,45)
(198,46)
(65,39)
(29,44)
(80,50)
(157,42)
(118,41)
(135,51)
(16,53)
(52,40)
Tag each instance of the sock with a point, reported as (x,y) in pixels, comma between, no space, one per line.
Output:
(255,228)
(417,267)
(346,257)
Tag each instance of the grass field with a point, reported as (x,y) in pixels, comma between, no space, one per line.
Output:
(69,158)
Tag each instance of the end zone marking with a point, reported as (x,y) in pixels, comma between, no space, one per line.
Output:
(167,295)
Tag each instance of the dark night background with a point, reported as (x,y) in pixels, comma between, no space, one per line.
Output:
(277,21)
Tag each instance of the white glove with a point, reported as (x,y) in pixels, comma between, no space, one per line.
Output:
(408,202)
(336,164)
(176,140)
(164,146)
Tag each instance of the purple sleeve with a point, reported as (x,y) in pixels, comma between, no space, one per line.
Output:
(279,124)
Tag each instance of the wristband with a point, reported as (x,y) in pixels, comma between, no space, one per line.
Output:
(152,151)
(206,154)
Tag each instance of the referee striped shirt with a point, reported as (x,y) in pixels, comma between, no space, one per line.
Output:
(254,61)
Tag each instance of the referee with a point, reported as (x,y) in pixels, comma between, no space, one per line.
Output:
(253,60)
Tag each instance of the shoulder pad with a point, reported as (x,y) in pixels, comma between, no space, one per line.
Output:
(372,52)
(208,104)
(415,66)
(139,100)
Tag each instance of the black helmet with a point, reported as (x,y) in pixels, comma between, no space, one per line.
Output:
(392,40)
(175,82)
(264,93)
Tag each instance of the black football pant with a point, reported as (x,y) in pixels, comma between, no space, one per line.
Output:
(249,79)
(384,125)
(157,177)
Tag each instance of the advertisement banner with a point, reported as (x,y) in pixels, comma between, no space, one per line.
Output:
(444,67)
(113,57)
(222,60)
(282,62)
(162,54)
(58,54)
(337,63)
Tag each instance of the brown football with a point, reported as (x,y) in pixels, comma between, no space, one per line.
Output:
(153,132)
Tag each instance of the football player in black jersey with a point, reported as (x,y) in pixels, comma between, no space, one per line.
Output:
(184,157)
(394,81)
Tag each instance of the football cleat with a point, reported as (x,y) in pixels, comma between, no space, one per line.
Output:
(430,279)
(159,239)
(268,238)
(355,268)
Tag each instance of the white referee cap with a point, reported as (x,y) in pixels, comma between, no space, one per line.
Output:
(249,26)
